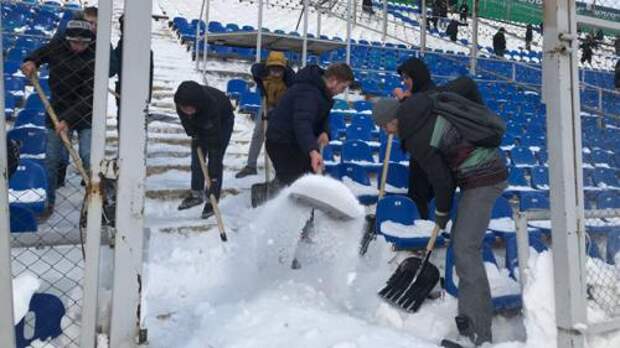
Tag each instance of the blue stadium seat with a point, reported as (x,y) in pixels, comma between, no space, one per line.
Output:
(401,210)
(22,220)
(605,177)
(48,312)
(533,200)
(608,200)
(9,105)
(359,132)
(540,177)
(340,104)
(516,177)
(362,105)
(356,151)
(231,28)
(247,28)
(397,179)
(522,156)
(600,157)
(30,118)
(34,102)
(235,88)
(249,102)
(14,84)
(28,186)
(215,27)
(362,120)
(11,67)
(359,175)
(501,208)
(396,154)
(336,125)
(33,140)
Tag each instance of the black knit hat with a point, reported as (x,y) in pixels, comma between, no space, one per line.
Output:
(79,30)
(189,93)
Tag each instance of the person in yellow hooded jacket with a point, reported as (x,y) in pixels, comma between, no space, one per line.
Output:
(272,78)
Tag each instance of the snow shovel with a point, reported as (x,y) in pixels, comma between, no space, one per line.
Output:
(370,229)
(261,192)
(413,280)
(216,207)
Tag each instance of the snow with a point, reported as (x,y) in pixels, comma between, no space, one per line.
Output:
(27,196)
(329,190)
(420,229)
(24,286)
(360,189)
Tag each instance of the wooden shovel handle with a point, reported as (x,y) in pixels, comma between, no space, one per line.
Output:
(216,207)
(386,163)
(431,242)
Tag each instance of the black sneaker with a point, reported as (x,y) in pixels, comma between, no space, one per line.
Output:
(246,171)
(207,211)
(190,201)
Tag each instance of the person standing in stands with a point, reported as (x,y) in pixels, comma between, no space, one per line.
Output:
(207,116)
(298,125)
(587,49)
(71,62)
(617,45)
(449,161)
(453,29)
(272,79)
(529,36)
(499,43)
(367,7)
(463,11)
(417,79)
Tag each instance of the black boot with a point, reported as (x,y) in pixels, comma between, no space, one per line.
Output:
(61,174)
(191,200)
(207,211)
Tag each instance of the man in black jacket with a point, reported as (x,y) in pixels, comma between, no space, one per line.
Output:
(272,79)
(449,161)
(71,62)
(207,116)
(298,125)
(453,29)
(617,75)
(499,43)
(463,11)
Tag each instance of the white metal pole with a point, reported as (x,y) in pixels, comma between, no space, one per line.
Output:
(561,95)
(206,42)
(97,153)
(354,12)
(304,48)
(202,7)
(473,56)
(128,281)
(348,54)
(385,20)
(318,23)
(259,35)
(423,25)
(7,328)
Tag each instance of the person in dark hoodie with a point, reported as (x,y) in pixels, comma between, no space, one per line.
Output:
(298,125)
(272,79)
(529,36)
(71,63)
(207,116)
(449,161)
(417,79)
(499,42)
(463,11)
(453,29)
(617,75)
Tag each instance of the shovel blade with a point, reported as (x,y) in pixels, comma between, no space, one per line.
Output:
(410,284)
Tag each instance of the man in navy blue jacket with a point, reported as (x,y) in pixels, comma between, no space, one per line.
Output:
(298,124)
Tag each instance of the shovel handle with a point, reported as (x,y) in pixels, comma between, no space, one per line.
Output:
(216,207)
(386,162)
(431,242)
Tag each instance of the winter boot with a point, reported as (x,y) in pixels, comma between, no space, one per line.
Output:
(207,211)
(60,175)
(193,199)
(49,210)
(246,171)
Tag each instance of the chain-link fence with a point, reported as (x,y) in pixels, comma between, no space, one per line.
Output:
(49,64)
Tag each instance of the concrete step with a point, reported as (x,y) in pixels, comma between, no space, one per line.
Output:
(178,193)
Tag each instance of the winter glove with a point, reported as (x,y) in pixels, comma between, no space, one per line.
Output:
(442,218)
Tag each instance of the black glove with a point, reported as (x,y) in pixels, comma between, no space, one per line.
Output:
(442,218)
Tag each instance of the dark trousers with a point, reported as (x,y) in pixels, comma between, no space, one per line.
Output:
(289,161)
(215,166)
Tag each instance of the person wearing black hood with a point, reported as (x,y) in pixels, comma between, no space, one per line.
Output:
(448,160)
(529,35)
(499,42)
(417,79)
(207,116)
(617,75)
(71,63)
(453,29)
(463,11)
(298,124)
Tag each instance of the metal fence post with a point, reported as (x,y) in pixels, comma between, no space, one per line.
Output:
(259,35)
(561,95)
(128,282)
(197,38)
(304,48)
(348,52)
(423,25)
(385,20)
(318,22)
(7,330)
(93,234)
(205,47)
(473,59)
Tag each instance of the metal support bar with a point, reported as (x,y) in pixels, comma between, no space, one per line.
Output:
(304,48)
(7,330)
(97,154)
(205,46)
(259,36)
(473,53)
(523,246)
(561,94)
(128,282)
(599,23)
(197,38)
(385,20)
(423,25)
(318,22)
(348,38)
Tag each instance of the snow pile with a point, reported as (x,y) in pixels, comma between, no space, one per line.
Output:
(24,286)
(603,283)
(500,282)
(27,196)
(329,192)
(359,189)
(421,229)
(539,301)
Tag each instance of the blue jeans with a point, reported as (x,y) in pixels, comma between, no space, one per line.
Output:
(215,166)
(55,155)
